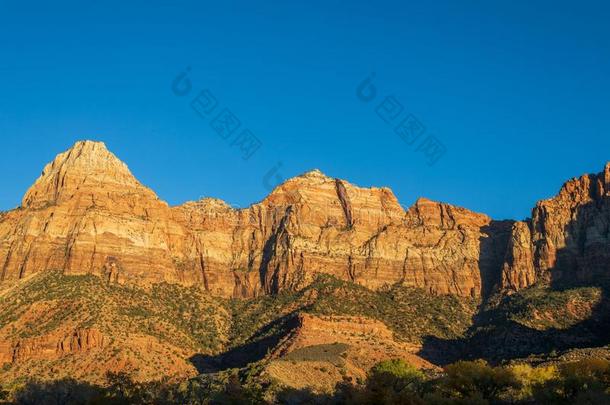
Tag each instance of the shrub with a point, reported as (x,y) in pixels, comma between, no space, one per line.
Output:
(584,381)
(531,379)
(476,379)
(394,381)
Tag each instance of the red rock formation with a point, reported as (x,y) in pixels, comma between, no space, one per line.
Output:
(570,236)
(303,228)
(315,342)
(88,214)
(81,340)
(51,346)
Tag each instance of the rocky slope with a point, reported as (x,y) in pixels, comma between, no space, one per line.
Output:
(322,351)
(54,325)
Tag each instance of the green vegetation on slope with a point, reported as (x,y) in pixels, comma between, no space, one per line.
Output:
(187,322)
(166,311)
(533,321)
(542,308)
(410,313)
(191,319)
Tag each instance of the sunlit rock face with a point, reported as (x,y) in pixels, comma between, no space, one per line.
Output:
(315,224)
(88,214)
(567,239)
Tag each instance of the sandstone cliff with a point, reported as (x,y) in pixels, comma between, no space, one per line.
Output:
(567,239)
(88,214)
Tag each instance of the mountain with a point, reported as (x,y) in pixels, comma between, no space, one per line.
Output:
(88,214)
(98,274)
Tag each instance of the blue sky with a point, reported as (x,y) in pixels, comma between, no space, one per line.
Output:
(517,92)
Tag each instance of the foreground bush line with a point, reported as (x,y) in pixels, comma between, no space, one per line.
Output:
(389,382)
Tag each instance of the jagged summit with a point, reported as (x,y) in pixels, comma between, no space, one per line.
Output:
(207,203)
(588,187)
(313,174)
(310,178)
(86,154)
(86,168)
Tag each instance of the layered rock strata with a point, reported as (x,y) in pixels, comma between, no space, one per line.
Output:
(88,214)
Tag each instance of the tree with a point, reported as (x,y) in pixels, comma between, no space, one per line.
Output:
(476,379)
(580,382)
(394,382)
(531,379)
(60,392)
(121,389)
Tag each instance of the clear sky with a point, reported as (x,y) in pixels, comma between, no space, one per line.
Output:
(517,92)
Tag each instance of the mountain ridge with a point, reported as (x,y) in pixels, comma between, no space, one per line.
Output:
(87,213)
(310,287)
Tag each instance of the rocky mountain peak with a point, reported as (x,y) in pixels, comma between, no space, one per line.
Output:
(314,173)
(87,167)
(316,189)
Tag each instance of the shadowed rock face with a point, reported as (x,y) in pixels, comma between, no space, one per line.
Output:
(88,214)
(567,239)
(518,269)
